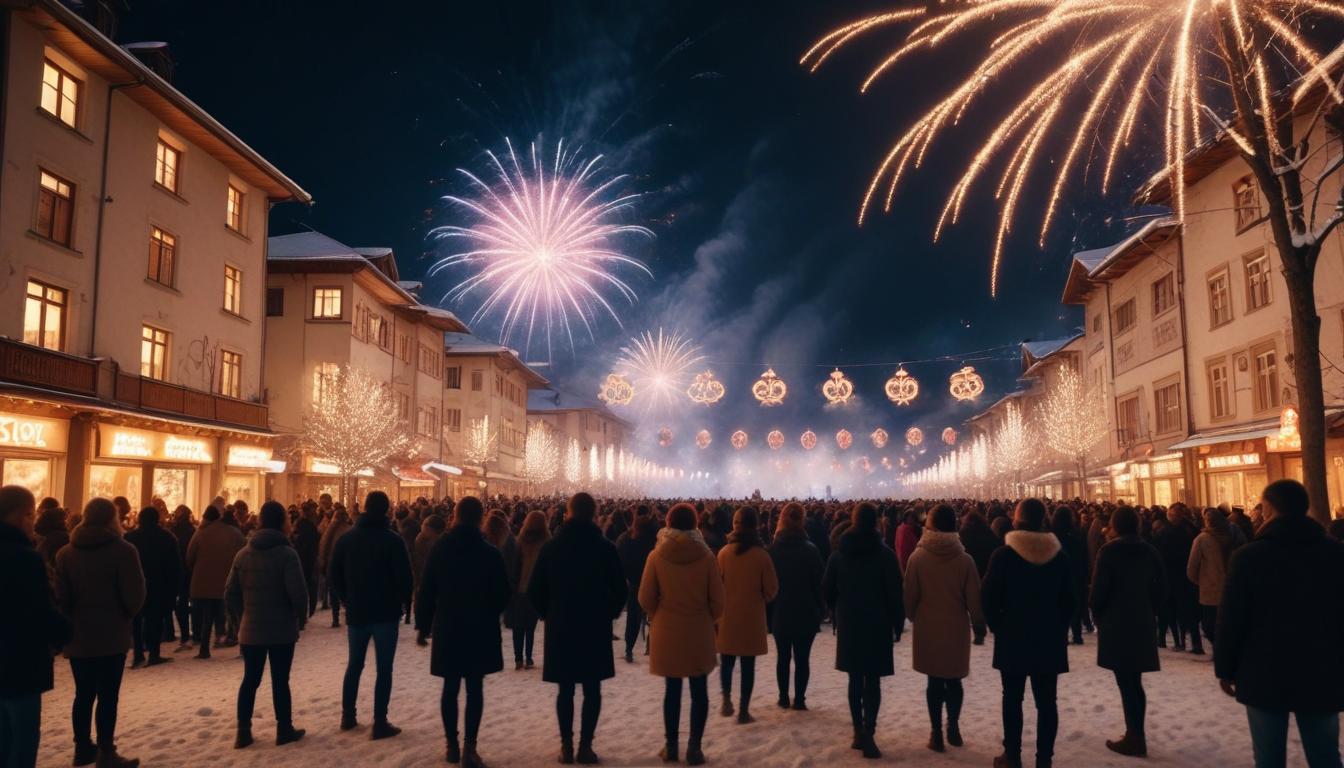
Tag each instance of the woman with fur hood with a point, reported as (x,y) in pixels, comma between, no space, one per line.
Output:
(1207,566)
(749,584)
(521,616)
(942,598)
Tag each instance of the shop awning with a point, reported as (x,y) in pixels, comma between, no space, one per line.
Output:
(414,476)
(1230,436)
(1047,477)
(445,468)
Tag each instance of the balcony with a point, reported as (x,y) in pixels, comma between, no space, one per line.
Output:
(44,368)
(154,395)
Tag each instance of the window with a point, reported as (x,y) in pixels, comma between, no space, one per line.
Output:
(1128,416)
(1125,317)
(1245,203)
(1164,294)
(324,381)
(327,303)
(1220,389)
(404,348)
(1096,323)
(233,289)
(1167,407)
(1266,388)
(230,374)
(44,316)
(153,352)
(233,209)
(477,380)
(429,361)
(380,331)
(403,406)
(167,161)
(452,377)
(454,418)
(162,253)
(60,93)
(1220,300)
(55,207)
(1257,280)
(275,302)
(426,421)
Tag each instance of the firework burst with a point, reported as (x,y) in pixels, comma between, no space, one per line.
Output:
(659,366)
(542,247)
(1106,68)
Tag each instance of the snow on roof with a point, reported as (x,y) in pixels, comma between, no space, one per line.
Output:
(470,344)
(1120,248)
(309,245)
(550,400)
(1039,349)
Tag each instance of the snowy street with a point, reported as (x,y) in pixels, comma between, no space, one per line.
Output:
(183,714)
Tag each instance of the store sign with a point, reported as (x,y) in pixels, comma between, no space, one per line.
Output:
(1232,460)
(127,443)
(18,431)
(1166,467)
(325,467)
(248,456)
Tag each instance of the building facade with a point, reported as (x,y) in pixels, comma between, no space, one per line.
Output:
(588,423)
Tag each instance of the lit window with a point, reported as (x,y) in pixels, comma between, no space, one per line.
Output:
(1125,317)
(153,352)
(230,374)
(233,290)
(44,316)
(162,256)
(1220,300)
(454,418)
(1220,390)
(60,93)
(1257,281)
(1266,379)
(167,161)
(327,303)
(324,381)
(55,206)
(1245,202)
(1164,294)
(233,212)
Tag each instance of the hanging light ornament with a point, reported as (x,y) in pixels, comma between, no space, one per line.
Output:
(665,436)
(865,465)
(914,436)
(769,389)
(879,438)
(703,438)
(837,390)
(950,436)
(775,439)
(809,440)
(844,439)
(966,384)
(616,390)
(739,439)
(705,389)
(902,388)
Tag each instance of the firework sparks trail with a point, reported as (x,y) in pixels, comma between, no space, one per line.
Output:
(542,246)
(1111,63)
(659,366)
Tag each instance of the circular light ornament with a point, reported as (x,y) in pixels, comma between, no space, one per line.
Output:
(739,439)
(616,390)
(950,436)
(703,438)
(844,439)
(902,388)
(665,436)
(914,436)
(705,389)
(837,390)
(879,438)
(809,440)
(775,439)
(769,389)
(966,384)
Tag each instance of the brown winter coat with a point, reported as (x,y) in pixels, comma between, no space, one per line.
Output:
(1207,568)
(335,529)
(210,557)
(749,583)
(100,588)
(942,599)
(682,593)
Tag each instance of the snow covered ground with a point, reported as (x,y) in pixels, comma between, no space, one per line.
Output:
(183,714)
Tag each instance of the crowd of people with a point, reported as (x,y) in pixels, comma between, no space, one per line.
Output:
(708,583)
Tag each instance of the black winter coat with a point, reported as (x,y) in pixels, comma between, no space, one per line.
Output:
(799,606)
(634,553)
(371,572)
(578,588)
(819,536)
(1128,588)
(980,543)
(1281,624)
(862,585)
(160,559)
(306,539)
(1075,549)
(1173,544)
(1028,601)
(463,591)
(32,628)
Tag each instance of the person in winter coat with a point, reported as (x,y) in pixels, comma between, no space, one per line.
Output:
(371,574)
(1027,597)
(1174,541)
(749,584)
(307,541)
(430,532)
(980,542)
(31,631)
(862,586)
(799,605)
(268,597)
(682,593)
(100,589)
(907,537)
(52,533)
(521,617)
(578,588)
(634,547)
(1064,525)
(463,622)
(1207,567)
(183,529)
(942,597)
(163,575)
(209,558)
(818,534)
(1280,630)
(1129,584)
(338,527)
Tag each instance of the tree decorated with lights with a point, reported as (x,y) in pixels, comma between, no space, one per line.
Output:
(1014,446)
(482,444)
(541,454)
(1072,422)
(354,424)
(573,463)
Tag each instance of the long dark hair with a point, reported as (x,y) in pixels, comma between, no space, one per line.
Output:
(746,529)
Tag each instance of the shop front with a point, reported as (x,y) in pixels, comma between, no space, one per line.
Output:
(414,482)
(1123,485)
(1161,479)
(142,464)
(32,452)
(244,474)
(1233,473)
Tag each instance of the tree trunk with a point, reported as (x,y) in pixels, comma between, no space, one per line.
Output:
(1310,394)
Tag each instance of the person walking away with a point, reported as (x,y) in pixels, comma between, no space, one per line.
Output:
(32,630)
(942,596)
(51,532)
(1173,541)
(463,622)
(1063,523)
(209,558)
(521,616)
(183,529)
(862,586)
(100,588)
(1129,585)
(371,575)
(749,584)
(980,542)
(1027,597)
(266,594)
(578,588)
(159,562)
(799,604)
(429,535)
(682,594)
(907,537)
(634,547)
(1207,567)
(307,540)
(1280,630)
(338,527)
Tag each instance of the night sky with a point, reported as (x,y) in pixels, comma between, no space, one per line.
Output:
(752,170)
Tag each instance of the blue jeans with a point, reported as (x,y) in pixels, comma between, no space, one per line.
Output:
(384,638)
(1269,737)
(20,729)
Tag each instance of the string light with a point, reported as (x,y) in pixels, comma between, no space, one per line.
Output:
(809,440)
(769,389)
(739,439)
(616,390)
(705,389)
(966,384)
(355,425)
(541,455)
(914,436)
(844,439)
(879,438)
(775,439)
(837,389)
(901,388)
(703,438)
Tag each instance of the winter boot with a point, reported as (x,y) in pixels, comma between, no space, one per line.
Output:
(108,758)
(383,730)
(668,754)
(799,703)
(936,741)
(566,750)
(783,701)
(744,717)
(348,721)
(453,753)
(244,737)
(1006,760)
(857,743)
(470,757)
(287,735)
(85,753)
(586,755)
(868,747)
(726,709)
(1130,746)
(694,755)
(954,733)
(137,662)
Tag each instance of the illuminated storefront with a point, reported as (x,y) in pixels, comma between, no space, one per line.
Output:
(141,464)
(32,451)
(1233,473)
(244,468)
(1161,479)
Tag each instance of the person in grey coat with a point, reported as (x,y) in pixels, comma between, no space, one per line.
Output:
(267,596)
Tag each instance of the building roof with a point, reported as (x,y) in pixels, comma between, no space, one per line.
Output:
(1014,395)
(557,401)
(466,344)
(1036,353)
(1100,265)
